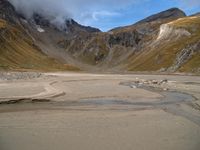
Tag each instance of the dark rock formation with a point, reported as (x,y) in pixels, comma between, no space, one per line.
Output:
(7,12)
(40,20)
(74,26)
(126,39)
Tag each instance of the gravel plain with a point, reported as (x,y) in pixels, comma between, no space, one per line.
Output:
(74,111)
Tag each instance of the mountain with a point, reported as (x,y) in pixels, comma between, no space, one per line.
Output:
(17,48)
(165,42)
(172,13)
(196,14)
(175,48)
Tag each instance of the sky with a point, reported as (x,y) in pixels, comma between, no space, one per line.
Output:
(102,14)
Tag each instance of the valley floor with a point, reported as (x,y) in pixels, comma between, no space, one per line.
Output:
(100,111)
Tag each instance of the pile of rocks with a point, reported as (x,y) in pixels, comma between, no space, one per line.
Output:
(151,82)
(19,75)
(139,83)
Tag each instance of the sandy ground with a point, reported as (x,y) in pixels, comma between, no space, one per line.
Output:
(97,112)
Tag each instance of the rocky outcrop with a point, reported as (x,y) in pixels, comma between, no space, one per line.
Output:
(126,39)
(168,31)
(184,55)
(73,26)
(40,20)
(7,12)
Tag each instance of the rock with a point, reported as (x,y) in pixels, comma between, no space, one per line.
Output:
(126,39)
(184,55)
(165,89)
(19,75)
(162,70)
(137,82)
(7,12)
(168,31)
(163,81)
(154,82)
(133,86)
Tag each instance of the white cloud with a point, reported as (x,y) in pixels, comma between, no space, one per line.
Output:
(97,14)
(81,10)
(69,7)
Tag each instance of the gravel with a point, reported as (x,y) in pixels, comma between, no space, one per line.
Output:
(6,76)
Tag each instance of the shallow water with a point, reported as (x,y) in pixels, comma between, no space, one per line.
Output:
(169,103)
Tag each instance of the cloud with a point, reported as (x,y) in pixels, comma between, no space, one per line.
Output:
(49,8)
(82,10)
(97,15)
(67,7)
(94,12)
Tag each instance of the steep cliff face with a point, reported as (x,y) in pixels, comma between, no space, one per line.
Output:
(167,32)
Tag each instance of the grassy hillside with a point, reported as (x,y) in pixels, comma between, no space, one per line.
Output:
(18,52)
(192,24)
(193,65)
(164,53)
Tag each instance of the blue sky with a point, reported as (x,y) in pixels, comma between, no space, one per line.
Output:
(103,14)
(107,18)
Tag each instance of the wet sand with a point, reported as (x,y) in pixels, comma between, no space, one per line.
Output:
(88,111)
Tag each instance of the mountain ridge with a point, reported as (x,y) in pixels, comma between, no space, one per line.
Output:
(152,44)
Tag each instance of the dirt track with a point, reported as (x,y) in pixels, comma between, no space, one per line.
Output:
(88,111)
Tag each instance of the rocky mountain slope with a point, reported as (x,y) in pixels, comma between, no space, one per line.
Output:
(17,48)
(165,42)
(175,48)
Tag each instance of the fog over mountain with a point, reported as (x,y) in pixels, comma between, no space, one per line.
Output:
(67,8)
(90,12)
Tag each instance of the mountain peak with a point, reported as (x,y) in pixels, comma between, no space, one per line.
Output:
(172,13)
(72,24)
(196,14)
(4,4)
(40,20)
(7,12)
(68,24)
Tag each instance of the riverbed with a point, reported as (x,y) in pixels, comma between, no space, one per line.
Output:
(98,111)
